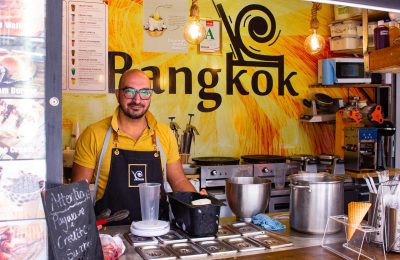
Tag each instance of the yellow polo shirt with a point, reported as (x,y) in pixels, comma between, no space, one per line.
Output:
(90,143)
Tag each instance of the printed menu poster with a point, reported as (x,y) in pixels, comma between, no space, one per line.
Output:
(25,239)
(21,183)
(22,48)
(163,23)
(23,232)
(86,47)
(22,129)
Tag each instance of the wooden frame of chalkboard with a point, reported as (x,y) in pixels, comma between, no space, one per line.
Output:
(71,222)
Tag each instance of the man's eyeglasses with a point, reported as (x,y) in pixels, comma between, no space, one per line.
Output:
(144,93)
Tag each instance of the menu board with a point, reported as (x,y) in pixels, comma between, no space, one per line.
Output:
(72,222)
(85,46)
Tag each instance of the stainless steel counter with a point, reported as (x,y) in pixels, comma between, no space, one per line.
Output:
(299,240)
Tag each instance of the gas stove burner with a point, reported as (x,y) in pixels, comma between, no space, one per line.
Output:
(260,158)
(216,160)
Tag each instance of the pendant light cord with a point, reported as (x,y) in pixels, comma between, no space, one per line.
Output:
(194,9)
(314,23)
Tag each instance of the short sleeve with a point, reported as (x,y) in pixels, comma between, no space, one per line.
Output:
(86,149)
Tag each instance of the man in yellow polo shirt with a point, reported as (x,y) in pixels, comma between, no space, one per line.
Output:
(131,147)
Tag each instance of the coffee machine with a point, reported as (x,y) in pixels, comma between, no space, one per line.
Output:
(360,148)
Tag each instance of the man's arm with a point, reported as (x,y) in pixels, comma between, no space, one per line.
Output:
(81,173)
(178,180)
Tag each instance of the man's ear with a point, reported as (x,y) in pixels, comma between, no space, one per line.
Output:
(117,94)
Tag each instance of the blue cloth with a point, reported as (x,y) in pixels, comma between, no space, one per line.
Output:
(267,223)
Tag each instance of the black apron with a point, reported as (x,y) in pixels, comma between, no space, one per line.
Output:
(127,170)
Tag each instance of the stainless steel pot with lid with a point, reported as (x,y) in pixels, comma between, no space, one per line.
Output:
(314,197)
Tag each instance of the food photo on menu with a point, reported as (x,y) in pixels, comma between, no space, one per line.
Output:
(21,183)
(22,70)
(23,239)
(22,130)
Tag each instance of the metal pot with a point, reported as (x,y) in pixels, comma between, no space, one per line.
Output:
(248,196)
(313,199)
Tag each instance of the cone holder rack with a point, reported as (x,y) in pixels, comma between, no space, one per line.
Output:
(358,246)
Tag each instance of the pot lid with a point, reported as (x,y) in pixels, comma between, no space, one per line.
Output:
(314,178)
(263,158)
(215,160)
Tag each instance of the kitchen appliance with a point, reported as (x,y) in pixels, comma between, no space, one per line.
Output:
(308,163)
(314,198)
(331,163)
(270,167)
(213,173)
(187,216)
(321,109)
(342,70)
(248,196)
(187,137)
(386,145)
(360,148)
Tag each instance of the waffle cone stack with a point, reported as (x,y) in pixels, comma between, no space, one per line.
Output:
(356,212)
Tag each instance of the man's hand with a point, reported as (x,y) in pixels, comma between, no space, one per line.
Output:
(203,192)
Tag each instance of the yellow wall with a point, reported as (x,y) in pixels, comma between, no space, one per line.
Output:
(242,124)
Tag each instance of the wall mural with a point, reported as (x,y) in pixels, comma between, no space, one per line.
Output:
(247,100)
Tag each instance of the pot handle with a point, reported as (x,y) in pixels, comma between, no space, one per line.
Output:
(300,187)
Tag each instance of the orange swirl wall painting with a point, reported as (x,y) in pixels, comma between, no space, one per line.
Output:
(248,99)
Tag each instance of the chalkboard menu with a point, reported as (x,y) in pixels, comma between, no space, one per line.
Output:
(71,222)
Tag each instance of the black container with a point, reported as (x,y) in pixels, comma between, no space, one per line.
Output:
(196,221)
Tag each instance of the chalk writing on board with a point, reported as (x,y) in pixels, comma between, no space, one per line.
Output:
(71,221)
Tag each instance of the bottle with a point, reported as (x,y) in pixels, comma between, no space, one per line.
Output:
(394,32)
(381,36)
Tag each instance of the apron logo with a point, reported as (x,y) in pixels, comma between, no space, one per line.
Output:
(137,174)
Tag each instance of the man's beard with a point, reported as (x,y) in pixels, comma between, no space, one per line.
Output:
(134,114)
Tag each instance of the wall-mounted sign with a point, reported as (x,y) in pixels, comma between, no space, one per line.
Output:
(85,47)
(163,23)
(213,41)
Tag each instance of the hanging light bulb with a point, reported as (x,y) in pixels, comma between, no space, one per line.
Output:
(193,31)
(315,43)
